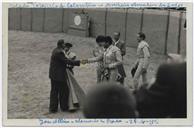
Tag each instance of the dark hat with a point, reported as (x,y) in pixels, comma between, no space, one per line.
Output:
(100,38)
(68,45)
(108,39)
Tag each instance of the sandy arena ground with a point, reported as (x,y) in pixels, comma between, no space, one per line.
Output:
(28,66)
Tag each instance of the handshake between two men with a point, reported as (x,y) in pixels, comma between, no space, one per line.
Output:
(84,61)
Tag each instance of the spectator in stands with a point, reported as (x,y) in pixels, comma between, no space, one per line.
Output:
(109,100)
(166,97)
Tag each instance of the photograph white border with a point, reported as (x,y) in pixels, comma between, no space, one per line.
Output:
(161,122)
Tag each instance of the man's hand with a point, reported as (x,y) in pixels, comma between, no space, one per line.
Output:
(84,61)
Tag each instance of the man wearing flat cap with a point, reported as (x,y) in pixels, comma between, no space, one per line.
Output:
(58,75)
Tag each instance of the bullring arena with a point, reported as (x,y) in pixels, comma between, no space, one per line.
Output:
(33,34)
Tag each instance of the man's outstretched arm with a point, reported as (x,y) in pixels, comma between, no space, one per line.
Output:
(62,58)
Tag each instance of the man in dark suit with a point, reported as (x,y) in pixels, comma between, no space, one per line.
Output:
(58,75)
(121,45)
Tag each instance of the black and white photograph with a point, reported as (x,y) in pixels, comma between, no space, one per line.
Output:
(97,63)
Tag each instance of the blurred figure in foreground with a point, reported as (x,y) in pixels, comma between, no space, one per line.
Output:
(166,97)
(170,58)
(108,100)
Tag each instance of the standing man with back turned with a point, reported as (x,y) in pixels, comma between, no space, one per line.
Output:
(121,45)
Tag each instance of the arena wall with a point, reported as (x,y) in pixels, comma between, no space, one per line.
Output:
(164,29)
(14,19)
(154,25)
(38,19)
(116,22)
(133,26)
(183,35)
(173,30)
(97,21)
(26,19)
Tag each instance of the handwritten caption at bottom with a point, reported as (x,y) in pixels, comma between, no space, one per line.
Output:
(52,122)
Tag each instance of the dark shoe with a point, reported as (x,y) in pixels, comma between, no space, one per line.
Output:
(73,110)
(64,110)
(52,111)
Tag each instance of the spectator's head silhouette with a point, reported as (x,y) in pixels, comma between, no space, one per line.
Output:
(109,100)
(175,58)
(174,76)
